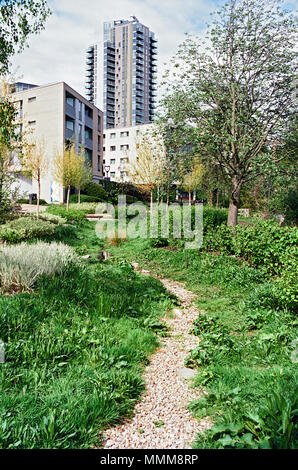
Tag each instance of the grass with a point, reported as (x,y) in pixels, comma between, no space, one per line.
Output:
(244,357)
(75,350)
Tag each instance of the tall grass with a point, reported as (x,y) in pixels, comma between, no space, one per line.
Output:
(22,265)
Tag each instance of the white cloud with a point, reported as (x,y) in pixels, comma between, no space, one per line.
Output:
(58,53)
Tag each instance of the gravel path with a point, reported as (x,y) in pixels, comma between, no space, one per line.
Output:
(161,420)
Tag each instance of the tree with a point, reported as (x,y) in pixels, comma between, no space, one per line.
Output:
(235,94)
(10,141)
(192,179)
(18,20)
(65,169)
(83,172)
(35,162)
(148,169)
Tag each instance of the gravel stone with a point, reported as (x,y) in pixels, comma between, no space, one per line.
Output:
(167,392)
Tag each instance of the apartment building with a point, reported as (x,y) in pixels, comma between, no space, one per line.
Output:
(120,149)
(121,73)
(57,114)
(91,76)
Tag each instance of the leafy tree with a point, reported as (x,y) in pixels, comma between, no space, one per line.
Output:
(35,162)
(192,179)
(148,170)
(234,93)
(18,20)
(83,172)
(10,138)
(65,168)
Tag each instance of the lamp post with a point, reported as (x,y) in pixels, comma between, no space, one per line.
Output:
(107,170)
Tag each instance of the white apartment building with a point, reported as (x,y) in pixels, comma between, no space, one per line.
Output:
(120,148)
(57,115)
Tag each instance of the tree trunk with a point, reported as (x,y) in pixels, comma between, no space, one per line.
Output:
(189,198)
(79,196)
(151,201)
(212,197)
(38,197)
(234,201)
(67,200)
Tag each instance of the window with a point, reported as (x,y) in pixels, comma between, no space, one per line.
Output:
(30,100)
(123,160)
(88,112)
(88,133)
(113,135)
(70,125)
(113,148)
(88,154)
(124,147)
(31,123)
(113,161)
(124,134)
(113,174)
(70,100)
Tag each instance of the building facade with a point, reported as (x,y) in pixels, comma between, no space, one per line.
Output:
(120,149)
(129,73)
(56,114)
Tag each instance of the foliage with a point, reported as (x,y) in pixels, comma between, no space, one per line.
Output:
(18,20)
(78,349)
(26,228)
(83,198)
(22,265)
(148,170)
(66,168)
(70,214)
(36,164)
(95,190)
(232,97)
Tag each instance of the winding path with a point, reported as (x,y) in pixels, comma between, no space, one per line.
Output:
(161,420)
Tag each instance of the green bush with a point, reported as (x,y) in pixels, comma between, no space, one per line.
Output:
(213,217)
(266,245)
(74,198)
(75,215)
(42,202)
(26,228)
(95,190)
(86,207)
(22,265)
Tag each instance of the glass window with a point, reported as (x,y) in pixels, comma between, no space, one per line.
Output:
(30,100)
(70,125)
(113,148)
(124,134)
(113,135)
(113,161)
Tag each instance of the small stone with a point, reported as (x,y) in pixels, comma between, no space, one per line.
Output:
(186,373)
(86,256)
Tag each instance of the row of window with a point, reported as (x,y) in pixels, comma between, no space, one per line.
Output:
(113,148)
(123,161)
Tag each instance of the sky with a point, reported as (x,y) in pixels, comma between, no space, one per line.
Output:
(58,53)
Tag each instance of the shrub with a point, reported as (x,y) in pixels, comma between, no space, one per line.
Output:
(266,245)
(214,217)
(26,228)
(22,265)
(95,190)
(87,207)
(70,215)
(42,202)
(74,198)
(55,219)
